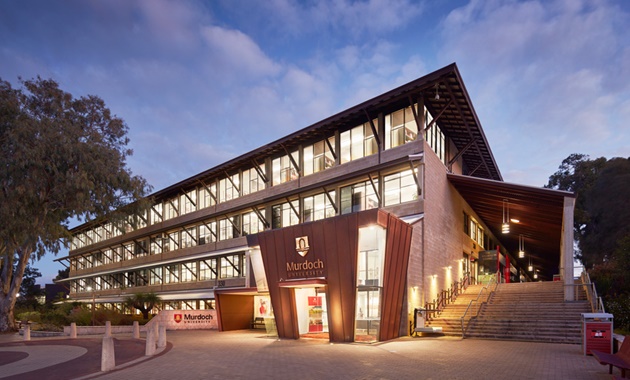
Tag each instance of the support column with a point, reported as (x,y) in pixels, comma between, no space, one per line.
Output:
(566,253)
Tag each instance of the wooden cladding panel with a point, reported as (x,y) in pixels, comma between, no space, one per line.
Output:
(394,276)
(334,241)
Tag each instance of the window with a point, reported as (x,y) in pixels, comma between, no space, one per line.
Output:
(370,263)
(252,223)
(207,196)
(142,277)
(229,188)
(155,276)
(400,128)
(189,237)
(189,202)
(155,214)
(229,228)
(207,269)
(358,197)
(252,181)
(171,208)
(231,266)
(156,244)
(400,187)
(358,142)
(207,233)
(172,242)
(318,207)
(171,273)
(283,215)
(318,157)
(189,271)
(283,169)
(435,138)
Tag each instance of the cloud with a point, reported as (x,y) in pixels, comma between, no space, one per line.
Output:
(554,71)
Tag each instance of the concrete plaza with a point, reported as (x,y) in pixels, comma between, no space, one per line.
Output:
(253,355)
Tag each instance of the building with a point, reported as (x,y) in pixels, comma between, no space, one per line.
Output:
(342,227)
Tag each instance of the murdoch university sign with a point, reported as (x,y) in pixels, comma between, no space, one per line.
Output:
(189,319)
(306,268)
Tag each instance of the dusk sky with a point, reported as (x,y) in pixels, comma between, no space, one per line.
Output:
(201,82)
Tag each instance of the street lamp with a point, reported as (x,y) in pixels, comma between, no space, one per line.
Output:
(90,289)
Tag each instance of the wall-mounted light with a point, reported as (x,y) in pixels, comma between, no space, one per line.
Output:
(505,226)
(521,246)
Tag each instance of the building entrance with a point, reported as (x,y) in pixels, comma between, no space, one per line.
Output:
(312,313)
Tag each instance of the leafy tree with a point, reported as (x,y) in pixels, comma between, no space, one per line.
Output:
(144,302)
(61,158)
(29,290)
(602,206)
(601,226)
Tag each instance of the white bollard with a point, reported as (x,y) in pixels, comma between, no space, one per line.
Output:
(73,330)
(108,358)
(27,332)
(149,349)
(108,328)
(136,330)
(161,336)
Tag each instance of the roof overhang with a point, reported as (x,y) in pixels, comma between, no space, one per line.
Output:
(540,214)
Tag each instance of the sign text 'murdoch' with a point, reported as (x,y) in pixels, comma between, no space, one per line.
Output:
(307,265)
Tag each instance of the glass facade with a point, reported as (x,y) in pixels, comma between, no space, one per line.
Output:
(370,265)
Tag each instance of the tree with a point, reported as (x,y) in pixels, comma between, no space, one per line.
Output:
(144,302)
(602,231)
(602,206)
(61,158)
(29,290)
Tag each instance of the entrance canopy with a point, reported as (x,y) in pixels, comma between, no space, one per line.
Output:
(535,213)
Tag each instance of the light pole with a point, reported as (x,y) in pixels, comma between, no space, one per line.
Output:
(90,289)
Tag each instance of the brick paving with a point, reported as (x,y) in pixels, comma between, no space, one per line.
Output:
(252,355)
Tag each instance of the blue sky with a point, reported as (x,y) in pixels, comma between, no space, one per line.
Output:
(200,82)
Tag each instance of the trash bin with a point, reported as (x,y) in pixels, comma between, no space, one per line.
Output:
(419,318)
(597,332)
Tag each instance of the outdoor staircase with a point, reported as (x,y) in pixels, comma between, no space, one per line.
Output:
(450,317)
(532,311)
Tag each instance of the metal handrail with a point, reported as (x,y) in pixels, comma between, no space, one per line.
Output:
(446,296)
(597,304)
(475,301)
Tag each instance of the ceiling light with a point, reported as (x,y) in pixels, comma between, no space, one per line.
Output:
(505,226)
(521,247)
(437,95)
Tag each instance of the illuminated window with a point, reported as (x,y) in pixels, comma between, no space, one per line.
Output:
(283,169)
(171,208)
(399,188)
(189,271)
(252,223)
(400,128)
(207,196)
(229,188)
(229,229)
(156,213)
(435,138)
(207,269)
(188,202)
(207,233)
(231,266)
(189,237)
(285,214)
(358,142)
(252,181)
(359,197)
(318,157)
(318,207)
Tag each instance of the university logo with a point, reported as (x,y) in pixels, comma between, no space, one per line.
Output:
(177,317)
(301,245)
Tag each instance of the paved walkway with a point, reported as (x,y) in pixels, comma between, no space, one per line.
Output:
(252,355)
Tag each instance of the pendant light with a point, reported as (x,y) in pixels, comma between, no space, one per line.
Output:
(505,226)
(521,247)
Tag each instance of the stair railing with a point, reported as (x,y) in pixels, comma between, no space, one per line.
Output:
(446,297)
(475,305)
(597,304)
